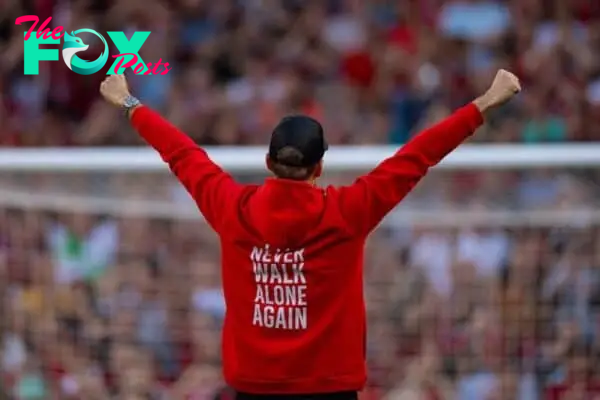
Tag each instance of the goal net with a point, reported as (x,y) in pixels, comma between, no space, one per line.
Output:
(484,282)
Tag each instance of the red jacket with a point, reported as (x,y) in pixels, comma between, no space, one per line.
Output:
(292,257)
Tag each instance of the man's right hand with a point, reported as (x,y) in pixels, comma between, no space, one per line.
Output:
(504,87)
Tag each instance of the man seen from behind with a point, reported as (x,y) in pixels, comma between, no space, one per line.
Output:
(292,252)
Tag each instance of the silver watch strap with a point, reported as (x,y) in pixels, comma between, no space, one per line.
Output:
(129,103)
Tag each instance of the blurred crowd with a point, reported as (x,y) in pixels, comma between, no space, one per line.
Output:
(374,71)
(128,308)
(131,308)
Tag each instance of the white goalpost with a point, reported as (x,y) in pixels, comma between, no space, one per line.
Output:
(21,170)
(341,158)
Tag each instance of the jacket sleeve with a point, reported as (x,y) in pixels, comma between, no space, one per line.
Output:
(372,196)
(212,189)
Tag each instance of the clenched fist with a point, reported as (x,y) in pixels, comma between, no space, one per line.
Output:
(504,87)
(115,90)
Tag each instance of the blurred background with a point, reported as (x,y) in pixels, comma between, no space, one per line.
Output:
(484,285)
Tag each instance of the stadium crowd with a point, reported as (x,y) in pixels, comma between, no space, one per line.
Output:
(130,308)
(99,307)
(373,71)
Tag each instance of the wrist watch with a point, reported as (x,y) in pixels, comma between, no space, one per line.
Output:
(129,103)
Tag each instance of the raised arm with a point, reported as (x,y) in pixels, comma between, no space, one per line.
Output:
(211,187)
(375,194)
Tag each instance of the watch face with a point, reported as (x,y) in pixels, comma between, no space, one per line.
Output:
(131,101)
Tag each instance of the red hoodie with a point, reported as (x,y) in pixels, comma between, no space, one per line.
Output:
(292,257)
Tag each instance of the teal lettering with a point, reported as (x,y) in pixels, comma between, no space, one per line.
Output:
(128,46)
(33,54)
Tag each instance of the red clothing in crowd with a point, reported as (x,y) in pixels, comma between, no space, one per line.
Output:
(292,257)
(568,390)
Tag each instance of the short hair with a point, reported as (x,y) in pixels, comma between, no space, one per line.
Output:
(283,166)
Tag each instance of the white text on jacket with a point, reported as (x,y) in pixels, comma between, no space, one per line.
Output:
(280,300)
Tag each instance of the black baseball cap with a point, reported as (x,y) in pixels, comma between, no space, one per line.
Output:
(302,133)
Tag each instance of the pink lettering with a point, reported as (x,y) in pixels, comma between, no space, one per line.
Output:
(166,69)
(129,63)
(138,69)
(28,18)
(157,66)
(43,30)
(56,34)
(148,72)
